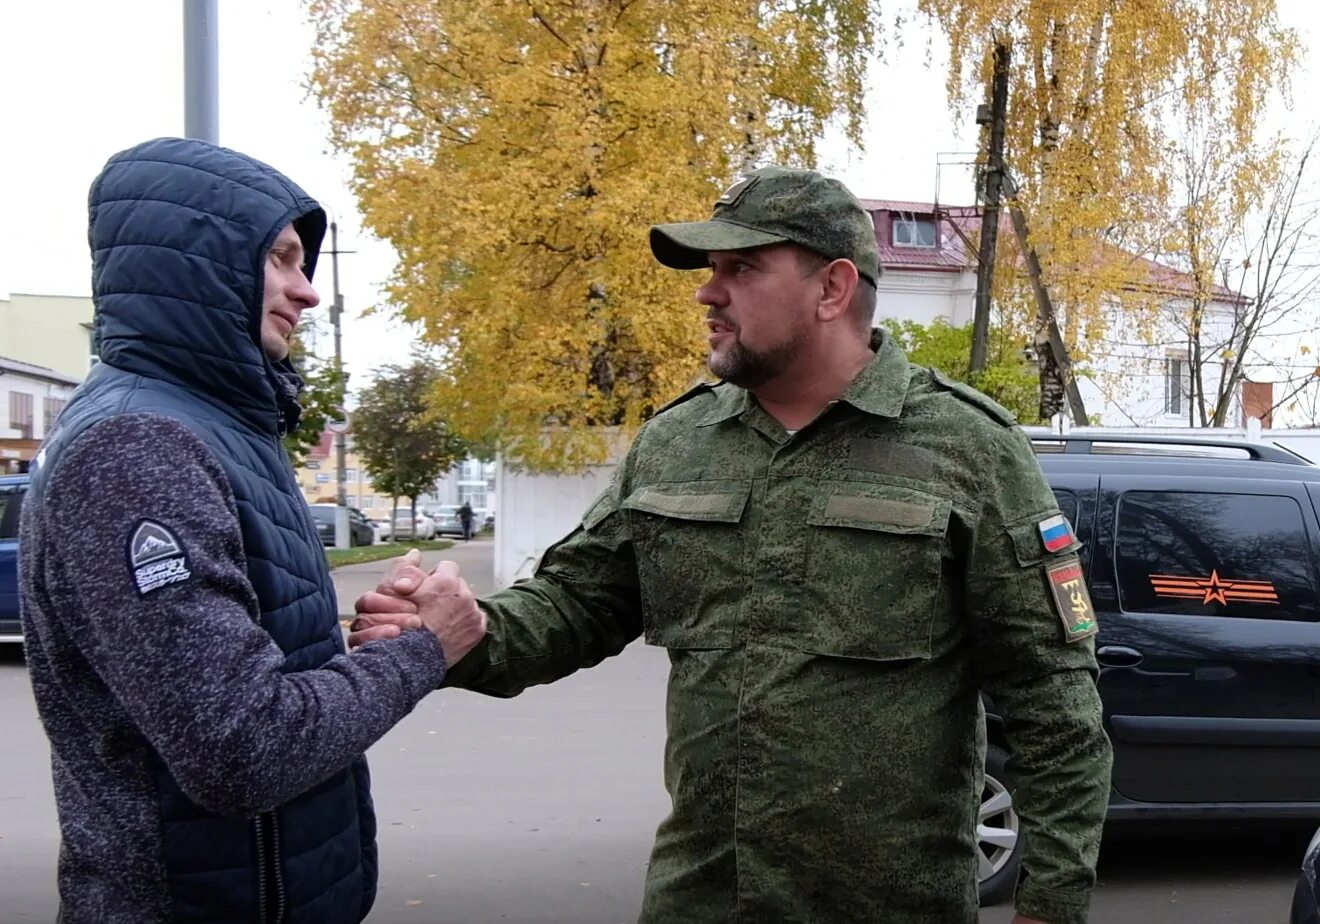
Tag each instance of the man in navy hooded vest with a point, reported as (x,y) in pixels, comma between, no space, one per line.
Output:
(181,629)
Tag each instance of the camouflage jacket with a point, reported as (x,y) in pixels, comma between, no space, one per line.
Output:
(833,601)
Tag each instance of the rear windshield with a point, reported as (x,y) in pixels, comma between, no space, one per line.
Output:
(323,514)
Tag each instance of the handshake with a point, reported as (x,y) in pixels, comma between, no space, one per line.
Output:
(410,598)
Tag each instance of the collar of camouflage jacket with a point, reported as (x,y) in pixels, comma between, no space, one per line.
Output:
(879,389)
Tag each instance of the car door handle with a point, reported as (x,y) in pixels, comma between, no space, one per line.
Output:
(1118,656)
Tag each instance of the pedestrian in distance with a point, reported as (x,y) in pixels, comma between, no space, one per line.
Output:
(182,634)
(841,552)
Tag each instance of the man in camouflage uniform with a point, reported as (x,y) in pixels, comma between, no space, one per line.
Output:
(840,550)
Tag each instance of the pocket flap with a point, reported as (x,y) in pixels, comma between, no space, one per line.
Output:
(709,501)
(881,507)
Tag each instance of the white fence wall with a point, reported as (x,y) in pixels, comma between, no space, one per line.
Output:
(535,511)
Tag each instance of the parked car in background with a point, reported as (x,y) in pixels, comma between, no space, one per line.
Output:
(382,527)
(1202,557)
(446,520)
(406,526)
(360,530)
(12,489)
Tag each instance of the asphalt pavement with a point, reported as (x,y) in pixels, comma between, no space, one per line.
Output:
(541,809)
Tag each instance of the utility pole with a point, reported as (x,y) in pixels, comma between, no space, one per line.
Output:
(994,174)
(201,69)
(337,309)
(1057,349)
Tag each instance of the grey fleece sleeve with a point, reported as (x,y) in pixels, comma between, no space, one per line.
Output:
(178,645)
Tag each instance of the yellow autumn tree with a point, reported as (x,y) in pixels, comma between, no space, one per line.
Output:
(515,153)
(1103,94)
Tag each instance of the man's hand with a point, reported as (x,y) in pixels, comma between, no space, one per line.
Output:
(448,608)
(409,598)
(386,612)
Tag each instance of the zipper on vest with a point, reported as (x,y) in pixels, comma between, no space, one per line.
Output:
(277,876)
(270,884)
(260,830)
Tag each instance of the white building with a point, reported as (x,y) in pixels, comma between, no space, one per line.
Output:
(1134,377)
(471,481)
(54,331)
(31,397)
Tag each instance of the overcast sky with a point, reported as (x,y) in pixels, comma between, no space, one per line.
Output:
(86,78)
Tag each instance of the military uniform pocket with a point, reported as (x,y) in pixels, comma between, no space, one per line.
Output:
(874,554)
(691,559)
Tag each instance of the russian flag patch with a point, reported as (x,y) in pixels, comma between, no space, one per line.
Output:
(1056,533)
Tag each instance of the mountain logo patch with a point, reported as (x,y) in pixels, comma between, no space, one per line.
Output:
(156,557)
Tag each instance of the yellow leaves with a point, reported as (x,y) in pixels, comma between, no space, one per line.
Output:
(1304,350)
(515,156)
(1100,94)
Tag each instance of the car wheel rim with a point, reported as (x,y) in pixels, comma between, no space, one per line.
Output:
(997,829)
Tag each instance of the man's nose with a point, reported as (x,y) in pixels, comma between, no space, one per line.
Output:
(303,295)
(711,293)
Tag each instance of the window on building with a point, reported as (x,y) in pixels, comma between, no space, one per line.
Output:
(20,414)
(1177,385)
(50,410)
(350,475)
(914,232)
(1203,554)
(368,501)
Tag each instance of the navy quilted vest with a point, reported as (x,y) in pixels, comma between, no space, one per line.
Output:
(179,235)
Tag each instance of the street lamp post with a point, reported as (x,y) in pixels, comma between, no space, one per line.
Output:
(201,69)
(337,309)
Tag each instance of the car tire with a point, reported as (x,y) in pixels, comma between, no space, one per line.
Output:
(998,832)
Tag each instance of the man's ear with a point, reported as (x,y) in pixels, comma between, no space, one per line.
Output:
(841,281)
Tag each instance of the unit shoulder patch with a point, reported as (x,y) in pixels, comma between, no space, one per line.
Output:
(1072,602)
(983,403)
(156,557)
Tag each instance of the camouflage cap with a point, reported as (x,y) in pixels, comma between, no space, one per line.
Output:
(776,205)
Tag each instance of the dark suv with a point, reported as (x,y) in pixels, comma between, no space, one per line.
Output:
(12,489)
(1201,556)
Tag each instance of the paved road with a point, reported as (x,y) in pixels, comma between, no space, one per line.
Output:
(541,809)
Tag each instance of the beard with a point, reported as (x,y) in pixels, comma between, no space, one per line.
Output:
(751,369)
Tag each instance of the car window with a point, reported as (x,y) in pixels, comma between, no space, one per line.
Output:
(11,500)
(1203,554)
(323,514)
(1067,504)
